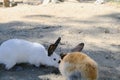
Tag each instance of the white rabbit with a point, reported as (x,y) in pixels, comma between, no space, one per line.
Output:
(78,66)
(15,51)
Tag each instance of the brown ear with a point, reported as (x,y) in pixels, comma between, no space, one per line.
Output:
(62,55)
(52,47)
(78,48)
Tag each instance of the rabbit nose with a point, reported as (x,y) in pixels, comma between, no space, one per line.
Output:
(59,61)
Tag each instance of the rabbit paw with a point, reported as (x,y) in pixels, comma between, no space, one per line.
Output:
(9,66)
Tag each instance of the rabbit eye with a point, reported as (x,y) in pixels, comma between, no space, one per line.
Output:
(54,59)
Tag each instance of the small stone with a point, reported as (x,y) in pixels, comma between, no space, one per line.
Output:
(107,57)
(107,31)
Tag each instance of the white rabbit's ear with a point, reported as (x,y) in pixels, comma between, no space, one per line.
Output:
(52,47)
(78,48)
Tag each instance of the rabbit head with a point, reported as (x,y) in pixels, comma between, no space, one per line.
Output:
(77,48)
(54,59)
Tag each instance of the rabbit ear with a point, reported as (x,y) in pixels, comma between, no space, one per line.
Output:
(62,55)
(52,47)
(78,48)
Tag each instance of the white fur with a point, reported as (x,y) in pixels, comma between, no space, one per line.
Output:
(63,67)
(99,1)
(45,2)
(21,51)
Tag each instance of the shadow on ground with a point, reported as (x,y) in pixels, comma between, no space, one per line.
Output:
(24,30)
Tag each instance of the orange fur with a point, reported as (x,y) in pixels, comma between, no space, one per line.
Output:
(78,61)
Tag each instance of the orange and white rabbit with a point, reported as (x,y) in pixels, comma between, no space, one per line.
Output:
(78,66)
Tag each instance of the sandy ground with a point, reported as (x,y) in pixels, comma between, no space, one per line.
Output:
(98,26)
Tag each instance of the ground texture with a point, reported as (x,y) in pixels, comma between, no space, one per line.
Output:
(98,26)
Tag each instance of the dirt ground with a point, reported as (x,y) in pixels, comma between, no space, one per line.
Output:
(98,26)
